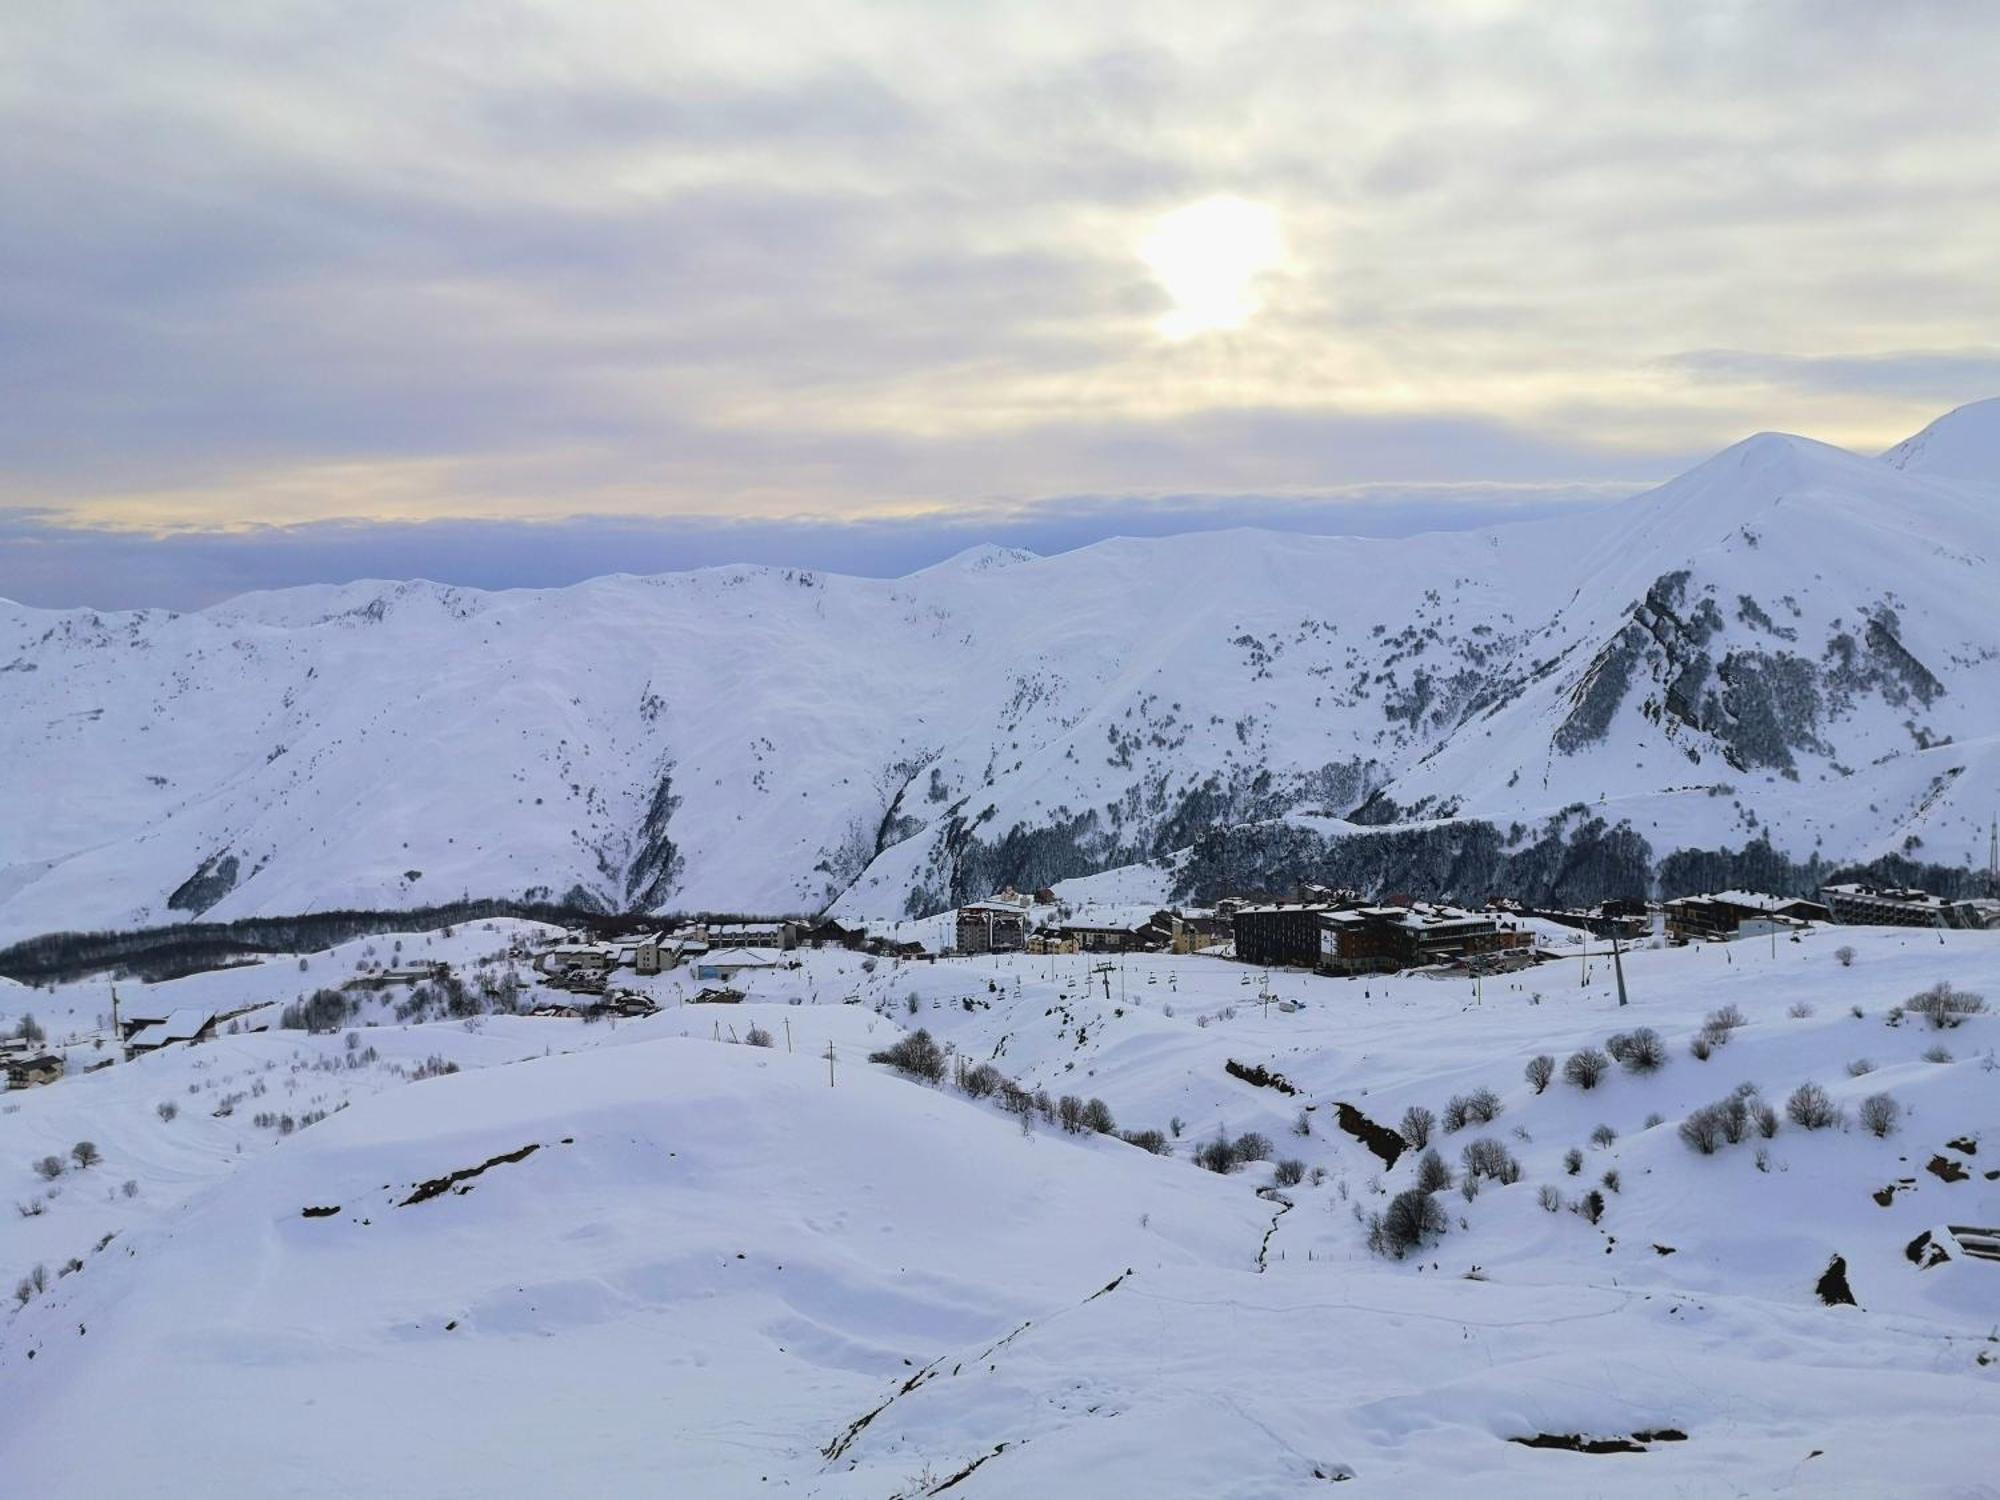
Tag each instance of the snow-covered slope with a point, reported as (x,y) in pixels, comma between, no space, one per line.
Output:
(714,1274)
(1789,640)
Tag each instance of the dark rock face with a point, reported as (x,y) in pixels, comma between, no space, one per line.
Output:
(656,867)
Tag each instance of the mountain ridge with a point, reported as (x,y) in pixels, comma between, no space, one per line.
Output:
(1786,642)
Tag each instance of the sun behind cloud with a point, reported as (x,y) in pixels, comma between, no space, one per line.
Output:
(1208,257)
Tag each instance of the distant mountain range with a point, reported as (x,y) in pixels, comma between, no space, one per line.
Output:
(1791,648)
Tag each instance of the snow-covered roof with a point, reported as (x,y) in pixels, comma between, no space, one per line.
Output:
(744,958)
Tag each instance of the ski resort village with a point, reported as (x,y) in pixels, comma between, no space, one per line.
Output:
(867,750)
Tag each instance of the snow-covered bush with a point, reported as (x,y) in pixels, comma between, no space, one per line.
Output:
(757,1036)
(1154,1141)
(1700,1047)
(1810,1108)
(166,1110)
(1879,1113)
(1573,1162)
(1585,1068)
(1859,1067)
(1845,953)
(1938,1054)
(1549,1197)
(49,1168)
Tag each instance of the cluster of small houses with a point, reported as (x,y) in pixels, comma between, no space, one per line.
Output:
(1331,932)
(1343,933)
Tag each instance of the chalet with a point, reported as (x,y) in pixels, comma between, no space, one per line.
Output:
(726,963)
(190,1024)
(827,933)
(28,1072)
(1283,933)
(1108,937)
(576,958)
(1890,906)
(996,926)
(1383,939)
(1050,940)
(1727,915)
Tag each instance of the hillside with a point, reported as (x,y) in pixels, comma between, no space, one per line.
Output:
(1790,642)
(715,1274)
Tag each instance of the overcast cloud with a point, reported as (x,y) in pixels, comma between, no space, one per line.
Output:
(464,289)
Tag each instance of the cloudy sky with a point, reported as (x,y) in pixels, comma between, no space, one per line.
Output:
(509,292)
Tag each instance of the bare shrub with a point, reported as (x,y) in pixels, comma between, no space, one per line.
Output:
(1454,1113)
(1432,1174)
(166,1110)
(1217,1156)
(1879,1114)
(1591,1205)
(1612,1179)
(1603,1135)
(1573,1162)
(1550,1198)
(757,1036)
(1097,1117)
(1702,1129)
(1069,1110)
(1810,1108)
(1416,1126)
(1655,1118)
(1639,1051)
(1798,1010)
(49,1168)
(1845,953)
(1541,1068)
(85,1154)
(1585,1068)
(1412,1220)
(1859,1067)
(1486,1157)
(1289,1173)
(1154,1141)
(1938,1054)
(980,1081)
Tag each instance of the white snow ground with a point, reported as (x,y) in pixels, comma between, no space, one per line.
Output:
(714,1266)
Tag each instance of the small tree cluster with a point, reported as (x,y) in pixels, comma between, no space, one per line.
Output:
(917,1055)
(1476,1108)
(1943,1006)
(1487,1158)
(1224,1156)
(1412,1220)
(323,1010)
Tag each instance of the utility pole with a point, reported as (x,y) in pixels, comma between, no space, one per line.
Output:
(1618,965)
(829,1063)
(788,1033)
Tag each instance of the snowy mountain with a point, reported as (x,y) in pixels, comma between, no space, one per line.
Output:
(1789,643)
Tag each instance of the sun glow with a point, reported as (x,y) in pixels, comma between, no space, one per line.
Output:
(1208,257)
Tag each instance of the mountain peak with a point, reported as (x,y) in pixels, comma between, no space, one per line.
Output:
(1962,444)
